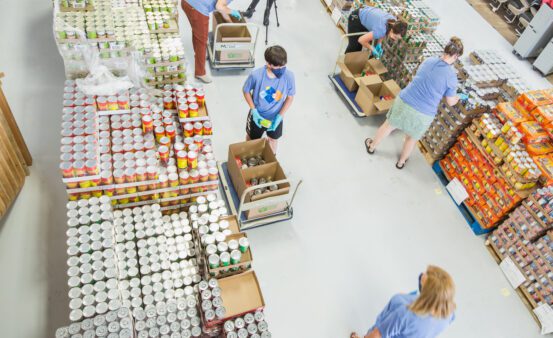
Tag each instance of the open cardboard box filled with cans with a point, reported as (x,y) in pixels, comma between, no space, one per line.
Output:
(249,164)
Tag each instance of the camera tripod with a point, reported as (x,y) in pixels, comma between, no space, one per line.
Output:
(266,15)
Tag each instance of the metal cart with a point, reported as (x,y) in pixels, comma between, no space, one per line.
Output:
(347,96)
(239,207)
(215,47)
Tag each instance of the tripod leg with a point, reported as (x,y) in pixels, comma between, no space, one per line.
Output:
(267,13)
(266,34)
(276,13)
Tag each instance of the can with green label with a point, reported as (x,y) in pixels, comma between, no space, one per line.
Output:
(244,244)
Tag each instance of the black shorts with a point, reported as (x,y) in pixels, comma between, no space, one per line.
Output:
(255,132)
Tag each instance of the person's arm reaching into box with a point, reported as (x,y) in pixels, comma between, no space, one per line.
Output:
(226,12)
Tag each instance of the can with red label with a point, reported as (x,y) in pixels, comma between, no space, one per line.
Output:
(188,130)
(183,111)
(182,159)
(112,103)
(168,103)
(193,110)
(165,141)
(171,132)
(123,102)
(204,175)
(198,128)
(200,96)
(192,159)
(119,176)
(147,124)
(160,133)
(194,176)
(91,167)
(213,174)
(163,181)
(173,180)
(163,153)
(207,128)
(151,173)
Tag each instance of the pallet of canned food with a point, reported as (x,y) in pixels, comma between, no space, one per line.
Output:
(135,272)
(137,148)
(114,30)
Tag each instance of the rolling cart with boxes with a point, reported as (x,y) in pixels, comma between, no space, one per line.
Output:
(256,203)
(232,45)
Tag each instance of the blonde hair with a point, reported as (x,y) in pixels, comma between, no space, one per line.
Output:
(454,47)
(436,298)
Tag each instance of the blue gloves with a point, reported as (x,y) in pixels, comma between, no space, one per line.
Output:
(378,51)
(463,96)
(236,14)
(256,117)
(276,123)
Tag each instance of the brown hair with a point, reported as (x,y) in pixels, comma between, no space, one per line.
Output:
(454,47)
(276,56)
(396,26)
(436,298)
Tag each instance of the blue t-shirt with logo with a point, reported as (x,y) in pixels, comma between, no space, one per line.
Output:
(397,321)
(269,94)
(204,6)
(434,80)
(375,20)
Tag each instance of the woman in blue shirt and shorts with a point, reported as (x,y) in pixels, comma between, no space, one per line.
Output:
(414,315)
(417,104)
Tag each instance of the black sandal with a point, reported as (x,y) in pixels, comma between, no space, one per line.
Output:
(368,146)
(401,166)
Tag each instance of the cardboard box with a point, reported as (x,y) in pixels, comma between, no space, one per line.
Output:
(231,34)
(272,170)
(233,223)
(370,91)
(246,149)
(352,66)
(233,269)
(241,294)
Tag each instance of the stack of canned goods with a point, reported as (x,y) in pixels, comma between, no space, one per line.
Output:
(113,324)
(211,304)
(99,24)
(76,4)
(131,293)
(176,318)
(86,212)
(481,75)
(168,6)
(129,22)
(158,20)
(127,260)
(79,149)
(487,56)
(93,293)
(125,3)
(251,325)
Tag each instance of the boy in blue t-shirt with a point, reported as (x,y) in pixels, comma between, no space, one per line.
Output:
(269,92)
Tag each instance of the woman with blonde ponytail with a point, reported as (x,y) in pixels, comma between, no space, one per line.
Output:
(415,315)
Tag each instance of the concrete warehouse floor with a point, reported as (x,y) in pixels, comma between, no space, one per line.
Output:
(362,230)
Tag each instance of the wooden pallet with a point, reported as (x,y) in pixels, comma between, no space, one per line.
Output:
(426,153)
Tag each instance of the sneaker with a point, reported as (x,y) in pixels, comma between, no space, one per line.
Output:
(204,78)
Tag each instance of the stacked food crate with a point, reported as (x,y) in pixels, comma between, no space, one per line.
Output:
(526,239)
(122,33)
(138,148)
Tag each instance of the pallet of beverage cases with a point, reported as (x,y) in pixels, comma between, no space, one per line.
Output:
(465,210)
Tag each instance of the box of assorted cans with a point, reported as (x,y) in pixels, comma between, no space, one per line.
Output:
(253,163)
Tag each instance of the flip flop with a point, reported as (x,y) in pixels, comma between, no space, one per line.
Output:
(401,166)
(368,146)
